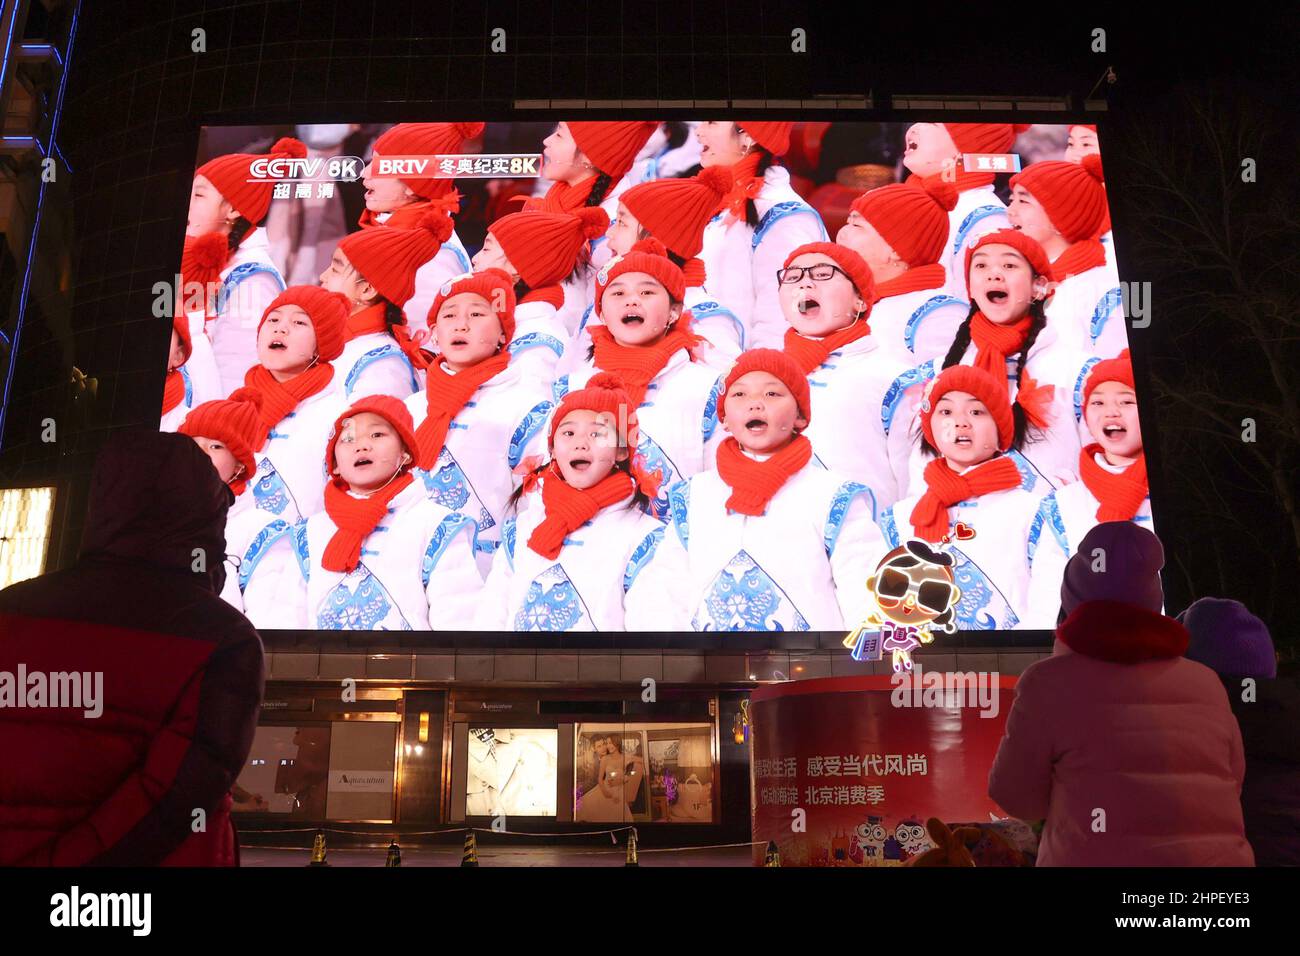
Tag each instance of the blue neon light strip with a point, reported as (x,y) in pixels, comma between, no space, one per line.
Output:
(36,223)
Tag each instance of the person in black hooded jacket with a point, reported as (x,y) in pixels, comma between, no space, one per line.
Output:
(147,780)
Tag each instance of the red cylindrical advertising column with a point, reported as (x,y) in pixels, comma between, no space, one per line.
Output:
(869,762)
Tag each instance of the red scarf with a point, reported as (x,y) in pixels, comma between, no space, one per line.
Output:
(551,294)
(754,483)
(173,391)
(745,185)
(945,488)
(995,342)
(569,508)
(810,353)
(1120,495)
(562,197)
(913,280)
(637,365)
(355,519)
(280,398)
(403,217)
(447,395)
(1079,258)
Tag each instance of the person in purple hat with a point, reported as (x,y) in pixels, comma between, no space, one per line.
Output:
(1236,644)
(1125,748)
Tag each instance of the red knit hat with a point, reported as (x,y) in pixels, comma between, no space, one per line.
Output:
(912,217)
(675,211)
(985,137)
(487,284)
(386,407)
(230,174)
(237,423)
(1090,126)
(327,310)
(854,266)
(773,137)
(648,256)
(774,362)
(602,393)
(612,147)
(544,246)
(1023,244)
(1071,194)
(426,139)
(1117,369)
(181,326)
(389,258)
(977,382)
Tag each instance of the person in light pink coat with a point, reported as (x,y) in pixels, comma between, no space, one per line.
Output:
(1125,748)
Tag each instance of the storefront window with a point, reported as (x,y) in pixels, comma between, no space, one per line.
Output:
(644,773)
(512,771)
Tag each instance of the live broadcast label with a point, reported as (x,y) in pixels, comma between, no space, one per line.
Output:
(458,166)
(991,162)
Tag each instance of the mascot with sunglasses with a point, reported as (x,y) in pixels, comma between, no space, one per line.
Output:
(914,591)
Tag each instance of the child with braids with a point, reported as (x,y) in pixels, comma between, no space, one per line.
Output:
(1005,334)
(971,497)
(581,556)
(646,339)
(1112,486)
(587,164)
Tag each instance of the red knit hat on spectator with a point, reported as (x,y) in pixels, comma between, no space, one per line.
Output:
(1027,247)
(973,381)
(386,407)
(327,310)
(675,211)
(773,137)
(236,422)
(648,256)
(1117,369)
(854,266)
(492,284)
(912,217)
(1072,194)
(426,139)
(230,174)
(389,258)
(544,246)
(985,137)
(612,147)
(775,363)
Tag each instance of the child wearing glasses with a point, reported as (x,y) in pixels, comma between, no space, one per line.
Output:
(770,541)
(972,499)
(858,385)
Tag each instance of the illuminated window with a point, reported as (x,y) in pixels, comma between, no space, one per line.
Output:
(25,515)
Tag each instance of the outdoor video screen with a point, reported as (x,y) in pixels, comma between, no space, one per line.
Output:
(656,377)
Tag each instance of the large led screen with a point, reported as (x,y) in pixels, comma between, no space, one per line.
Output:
(655,377)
